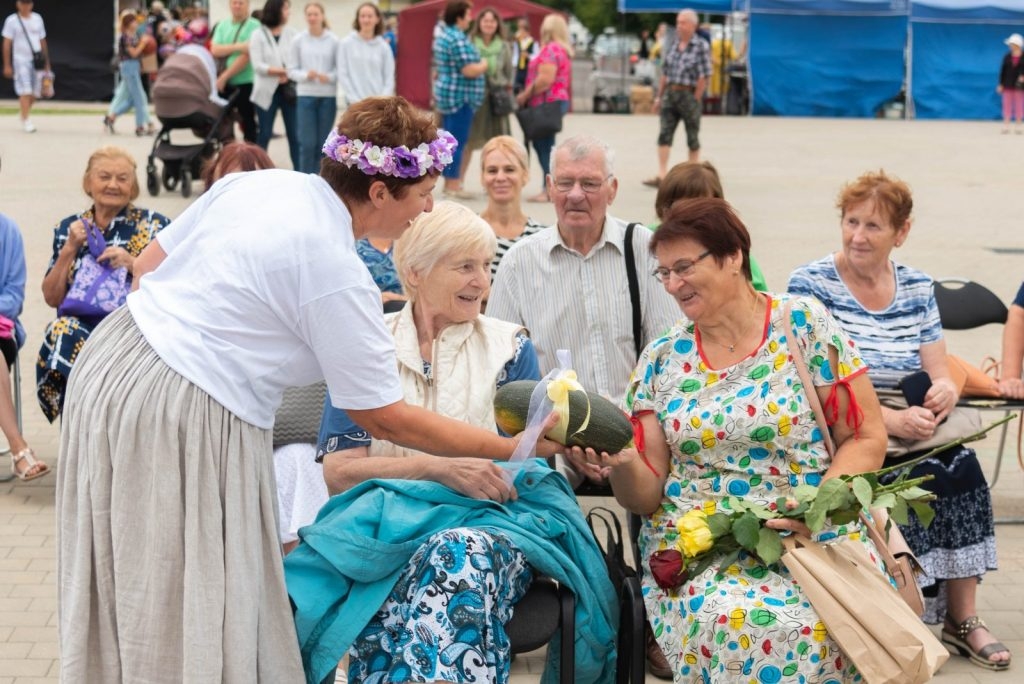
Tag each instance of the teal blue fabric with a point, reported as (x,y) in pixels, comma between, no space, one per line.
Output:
(351,557)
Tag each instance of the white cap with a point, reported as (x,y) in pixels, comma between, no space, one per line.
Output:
(1015,39)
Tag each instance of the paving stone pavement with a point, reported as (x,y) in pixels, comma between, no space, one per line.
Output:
(781,174)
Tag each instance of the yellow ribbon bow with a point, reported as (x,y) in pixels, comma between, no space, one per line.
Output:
(558,392)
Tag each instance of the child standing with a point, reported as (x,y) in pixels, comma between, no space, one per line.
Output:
(1011,83)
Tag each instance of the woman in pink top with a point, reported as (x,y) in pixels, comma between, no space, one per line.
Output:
(547,80)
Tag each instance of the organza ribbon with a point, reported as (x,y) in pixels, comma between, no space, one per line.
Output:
(551,393)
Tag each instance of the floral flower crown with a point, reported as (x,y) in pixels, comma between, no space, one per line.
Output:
(400,162)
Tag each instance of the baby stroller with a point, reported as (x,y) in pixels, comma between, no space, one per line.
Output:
(183,97)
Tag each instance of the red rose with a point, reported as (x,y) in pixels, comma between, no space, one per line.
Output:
(668,569)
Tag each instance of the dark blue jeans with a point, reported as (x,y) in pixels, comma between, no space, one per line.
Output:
(315,120)
(266,119)
(457,123)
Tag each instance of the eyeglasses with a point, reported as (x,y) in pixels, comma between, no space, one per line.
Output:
(680,269)
(587,185)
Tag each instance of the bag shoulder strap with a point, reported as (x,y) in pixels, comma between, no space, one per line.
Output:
(634,289)
(25,31)
(805,378)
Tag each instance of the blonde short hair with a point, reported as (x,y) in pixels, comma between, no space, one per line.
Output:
(511,147)
(111,153)
(554,29)
(448,230)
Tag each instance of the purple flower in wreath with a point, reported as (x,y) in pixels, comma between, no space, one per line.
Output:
(406,163)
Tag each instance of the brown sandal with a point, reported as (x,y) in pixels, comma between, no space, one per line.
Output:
(36,468)
(958,641)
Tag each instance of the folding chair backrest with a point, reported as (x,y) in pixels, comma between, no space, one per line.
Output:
(964,304)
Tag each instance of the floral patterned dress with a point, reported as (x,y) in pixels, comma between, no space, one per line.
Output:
(132,229)
(746,431)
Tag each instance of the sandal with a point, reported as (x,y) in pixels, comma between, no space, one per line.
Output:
(958,641)
(36,468)
(108,122)
(652,182)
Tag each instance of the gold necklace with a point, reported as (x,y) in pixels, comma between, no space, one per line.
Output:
(732,347)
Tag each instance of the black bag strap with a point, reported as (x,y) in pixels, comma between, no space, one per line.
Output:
(27,37)
(634,289)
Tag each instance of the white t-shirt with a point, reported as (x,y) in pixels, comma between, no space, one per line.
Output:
(261,290)
(22,49)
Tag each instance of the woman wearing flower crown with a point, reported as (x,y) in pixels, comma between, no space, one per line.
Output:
(169,560)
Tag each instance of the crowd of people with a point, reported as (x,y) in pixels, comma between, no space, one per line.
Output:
(414,315)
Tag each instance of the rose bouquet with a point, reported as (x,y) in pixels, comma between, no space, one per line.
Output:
(721,532)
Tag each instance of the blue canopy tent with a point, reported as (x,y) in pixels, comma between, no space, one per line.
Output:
(826,57)
(956,49)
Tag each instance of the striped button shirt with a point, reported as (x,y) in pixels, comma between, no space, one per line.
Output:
(581,303)
(889,340)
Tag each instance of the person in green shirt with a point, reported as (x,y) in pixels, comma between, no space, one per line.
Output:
(690,180)
(230,46)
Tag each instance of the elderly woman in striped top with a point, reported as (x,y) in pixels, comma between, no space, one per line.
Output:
(889,311)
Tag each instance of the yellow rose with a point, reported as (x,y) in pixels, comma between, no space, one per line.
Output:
(694,533)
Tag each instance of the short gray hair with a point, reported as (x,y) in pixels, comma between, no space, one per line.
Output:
(689,14)
(434,236)
(579,146)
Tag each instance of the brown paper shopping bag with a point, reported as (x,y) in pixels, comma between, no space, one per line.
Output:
(871,623)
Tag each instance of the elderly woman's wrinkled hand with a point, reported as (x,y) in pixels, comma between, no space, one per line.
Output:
(941,398)
(116,257)
(596,466)
(76,235)
(1011,388)
(477,478)
(915,423)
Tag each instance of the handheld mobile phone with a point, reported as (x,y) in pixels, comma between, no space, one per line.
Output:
(914,387)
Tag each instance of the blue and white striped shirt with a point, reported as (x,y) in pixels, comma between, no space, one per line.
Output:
(889,340)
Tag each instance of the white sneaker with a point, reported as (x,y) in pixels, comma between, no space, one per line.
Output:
(29,126)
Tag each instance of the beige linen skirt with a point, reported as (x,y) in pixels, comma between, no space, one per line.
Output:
(168,556)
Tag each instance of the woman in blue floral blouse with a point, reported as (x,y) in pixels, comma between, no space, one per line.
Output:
(112,183)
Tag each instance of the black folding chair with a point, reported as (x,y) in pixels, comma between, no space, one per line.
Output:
(965,305)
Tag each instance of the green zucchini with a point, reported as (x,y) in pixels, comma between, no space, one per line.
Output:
(608,429)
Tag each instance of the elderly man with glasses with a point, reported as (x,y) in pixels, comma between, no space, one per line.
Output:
(568,284)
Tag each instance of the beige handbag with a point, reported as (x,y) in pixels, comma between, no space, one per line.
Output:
(899,560)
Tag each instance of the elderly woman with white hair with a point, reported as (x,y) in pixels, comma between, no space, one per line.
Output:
(446,601)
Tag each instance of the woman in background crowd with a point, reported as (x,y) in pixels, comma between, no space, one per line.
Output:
(459,86)
(689,180)
(269,48)
(504,172)
(130,93)
(112,183)
(232,158)
(548,80)
(1011,83)
(490,39)
(365,60)
(313,65)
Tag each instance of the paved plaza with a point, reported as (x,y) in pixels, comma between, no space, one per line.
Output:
(781,174)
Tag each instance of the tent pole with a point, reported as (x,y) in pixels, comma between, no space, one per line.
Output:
(908,96)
